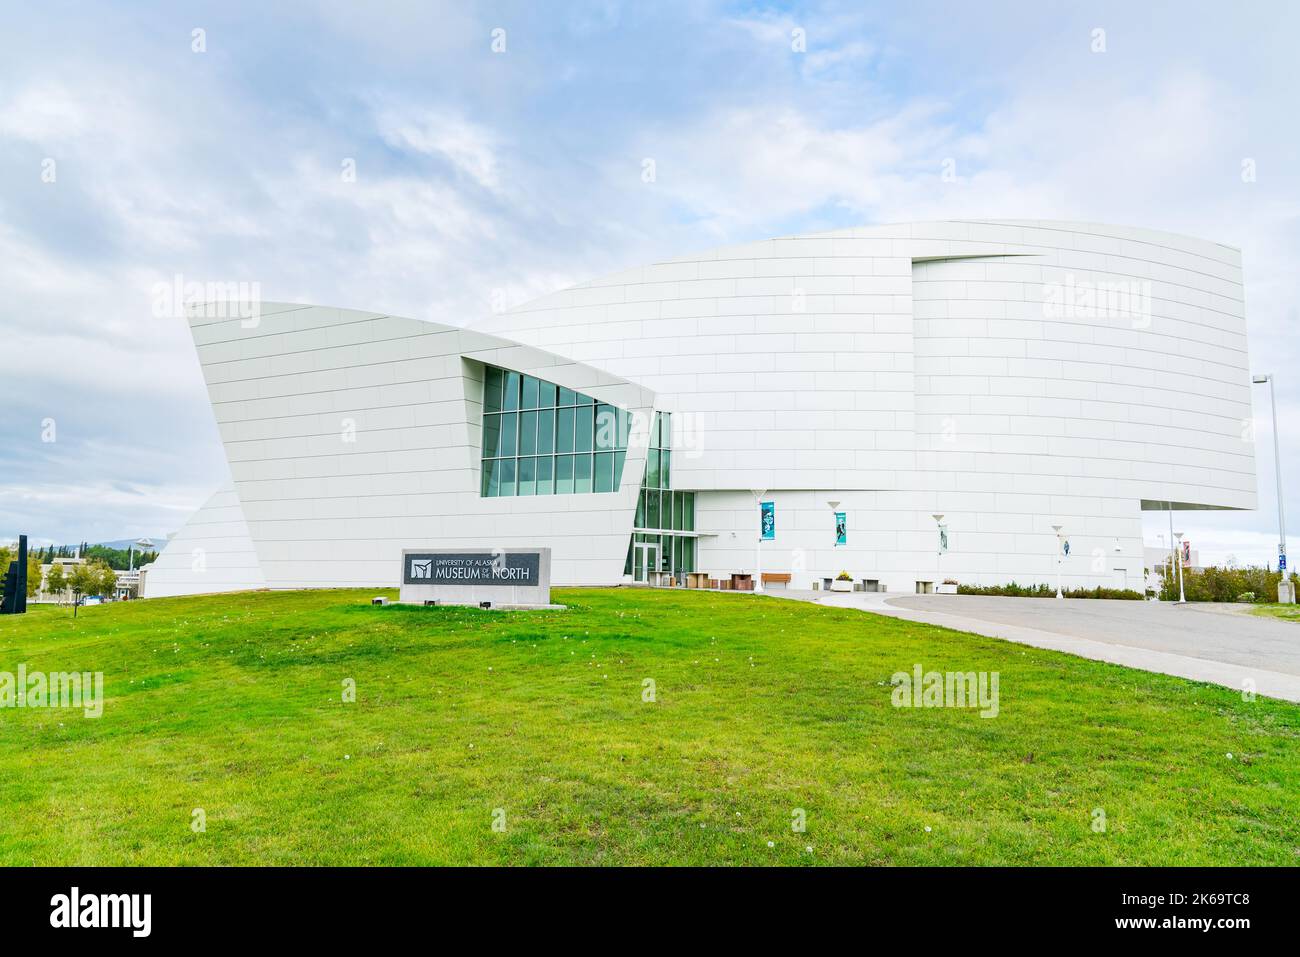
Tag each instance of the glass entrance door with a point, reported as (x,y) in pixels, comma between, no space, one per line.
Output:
(645,563)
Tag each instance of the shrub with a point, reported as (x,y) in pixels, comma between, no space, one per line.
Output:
(1223,584)
(1013,590)
(844,577)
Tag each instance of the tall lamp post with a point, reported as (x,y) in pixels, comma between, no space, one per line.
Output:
(834,506)
(1173,557)
(1057,530)
(1285,593)
(1182,600)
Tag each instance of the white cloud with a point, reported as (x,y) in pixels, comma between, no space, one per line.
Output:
(520,173)
(469,147)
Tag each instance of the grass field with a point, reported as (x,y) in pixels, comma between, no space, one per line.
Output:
(1276,610)
(235,705)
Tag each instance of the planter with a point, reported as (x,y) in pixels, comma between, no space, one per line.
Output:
(945,589)
(837,585)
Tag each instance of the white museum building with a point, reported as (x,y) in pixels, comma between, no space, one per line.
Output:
(1032,383)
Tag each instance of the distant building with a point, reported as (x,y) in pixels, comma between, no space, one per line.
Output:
(128,584)
(50,598)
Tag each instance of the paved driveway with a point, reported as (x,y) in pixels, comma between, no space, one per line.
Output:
(1223,644)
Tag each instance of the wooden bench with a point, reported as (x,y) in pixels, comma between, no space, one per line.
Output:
(776,578)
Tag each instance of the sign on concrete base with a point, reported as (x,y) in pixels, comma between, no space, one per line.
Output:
(518,577)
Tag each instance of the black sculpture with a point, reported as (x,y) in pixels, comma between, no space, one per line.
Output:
(14,601)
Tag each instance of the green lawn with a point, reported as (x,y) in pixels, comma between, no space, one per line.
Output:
(234,705)
(1275,610)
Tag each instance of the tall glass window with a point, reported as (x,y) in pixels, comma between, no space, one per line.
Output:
(531,430)
(661,510)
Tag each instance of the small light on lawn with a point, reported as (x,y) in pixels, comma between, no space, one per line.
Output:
(927,829)
(771,843)
(1229,755)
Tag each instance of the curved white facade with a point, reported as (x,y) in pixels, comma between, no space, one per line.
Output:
(213,552)
(1009,375)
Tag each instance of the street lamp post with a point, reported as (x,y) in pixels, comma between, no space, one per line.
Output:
(1285,593)
(1057,530)
(758,549)
(1182,600)
(1172,546)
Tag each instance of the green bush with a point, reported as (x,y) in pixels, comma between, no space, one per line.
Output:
(1223,584)
(1012,590)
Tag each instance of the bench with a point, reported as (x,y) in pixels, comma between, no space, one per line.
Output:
(776,578)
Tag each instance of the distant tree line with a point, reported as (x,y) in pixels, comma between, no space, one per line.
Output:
(117,558)
(95,575)
(1041,590)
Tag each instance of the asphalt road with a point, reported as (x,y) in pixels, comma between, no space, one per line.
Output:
(1222,644)
(1216,632)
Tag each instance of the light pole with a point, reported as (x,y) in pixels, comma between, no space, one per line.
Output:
(758,549)
(1182,600)
(834,505)
(1172,547)
(1285,593)
(1057,530)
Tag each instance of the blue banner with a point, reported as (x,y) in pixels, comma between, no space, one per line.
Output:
(841,528)
(767,511)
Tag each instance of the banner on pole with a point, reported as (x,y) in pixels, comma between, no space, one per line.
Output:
(767,512)
(943,539)
(841,528)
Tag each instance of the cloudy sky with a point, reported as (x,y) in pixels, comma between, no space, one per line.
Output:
(128,158)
